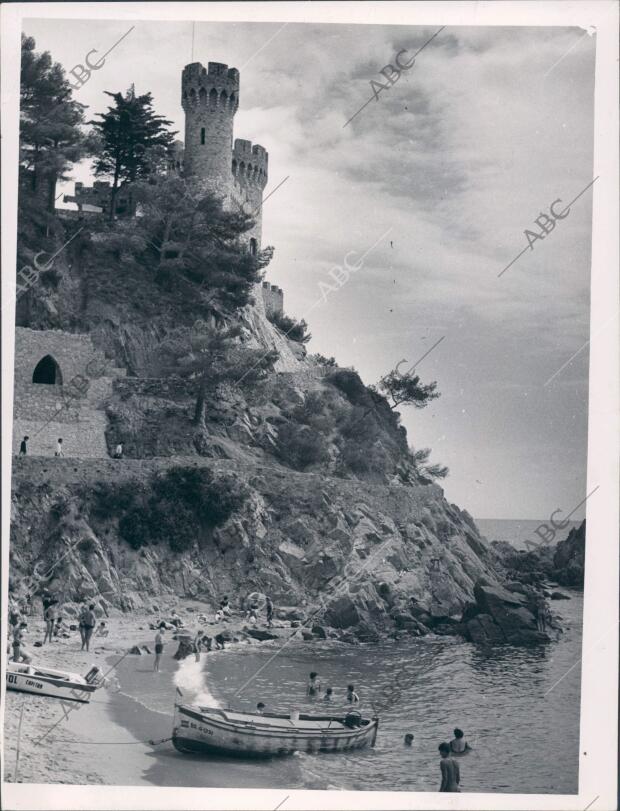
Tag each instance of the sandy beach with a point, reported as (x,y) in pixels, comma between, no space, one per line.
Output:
(86,745)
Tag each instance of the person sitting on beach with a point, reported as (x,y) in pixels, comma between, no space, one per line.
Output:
(225,606)
(328,695)
(219,615)
(260,708)
(458,744)
(313,687)
(408,739)
(352,696)
(102,630)
(219,642)
(450,772)
(159,645)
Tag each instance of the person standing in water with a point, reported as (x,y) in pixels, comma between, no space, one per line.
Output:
(450,772)
(159,645)
(352,696)
(314,686)
(89,620)
(458,744)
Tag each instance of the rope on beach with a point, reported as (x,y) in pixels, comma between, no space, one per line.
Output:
(150,741)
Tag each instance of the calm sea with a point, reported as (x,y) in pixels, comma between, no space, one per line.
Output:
(517,531)
(518,707)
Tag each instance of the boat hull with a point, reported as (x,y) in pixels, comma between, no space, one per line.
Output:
(211,733)
(30,680)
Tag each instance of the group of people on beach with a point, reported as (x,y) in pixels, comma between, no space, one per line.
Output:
(55,624)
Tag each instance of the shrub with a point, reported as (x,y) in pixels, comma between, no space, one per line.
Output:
(350,384)
(112,498)
(134,528)
(295,330)
(300,446)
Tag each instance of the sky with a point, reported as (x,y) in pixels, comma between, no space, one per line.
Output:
(426,193)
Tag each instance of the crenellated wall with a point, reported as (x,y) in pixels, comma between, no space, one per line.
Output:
(273,298)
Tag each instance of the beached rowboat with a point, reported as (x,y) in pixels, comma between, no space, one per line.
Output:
(44,681)
(224,732)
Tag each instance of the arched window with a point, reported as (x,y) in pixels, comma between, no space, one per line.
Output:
(232,100)
(192,96)
(223,97)
(253,246)
(213,99)
(47,371)
(234,167)
(202,94)
(202,135)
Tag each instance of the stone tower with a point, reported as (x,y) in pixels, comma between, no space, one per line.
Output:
(210,99)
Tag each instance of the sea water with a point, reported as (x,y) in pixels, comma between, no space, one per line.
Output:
(519,708)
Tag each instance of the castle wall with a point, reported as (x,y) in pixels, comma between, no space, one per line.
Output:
(273,298)
(74,409)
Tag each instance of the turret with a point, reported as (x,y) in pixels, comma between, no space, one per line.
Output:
(249,164)
(210,98)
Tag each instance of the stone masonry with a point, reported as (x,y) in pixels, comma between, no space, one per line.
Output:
(71,407)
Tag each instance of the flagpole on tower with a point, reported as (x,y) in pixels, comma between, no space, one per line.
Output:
(193,32)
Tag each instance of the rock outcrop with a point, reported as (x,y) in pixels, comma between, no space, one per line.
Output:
(569,558)
(501,616)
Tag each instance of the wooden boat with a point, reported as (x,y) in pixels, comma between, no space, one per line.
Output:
(44,681)
(244,734)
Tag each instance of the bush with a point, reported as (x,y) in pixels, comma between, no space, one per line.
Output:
(111,498)
(134,528)
(299,446)
(350,384)
(295,330)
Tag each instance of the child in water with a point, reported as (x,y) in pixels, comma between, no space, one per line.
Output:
(408,739)
(328,695)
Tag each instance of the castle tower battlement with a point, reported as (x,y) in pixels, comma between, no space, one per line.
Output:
(237,174)
(250,163)
(210,98)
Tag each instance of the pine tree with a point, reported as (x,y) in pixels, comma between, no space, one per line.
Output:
(130,133)
(50,135)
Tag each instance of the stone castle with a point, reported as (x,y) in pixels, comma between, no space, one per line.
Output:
(48,402)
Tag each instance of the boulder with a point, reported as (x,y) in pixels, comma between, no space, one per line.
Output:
(557,595)
(307,635)
(136,651)
(483,631)
(342,613)
(258,633)
(319,631)
(186,646)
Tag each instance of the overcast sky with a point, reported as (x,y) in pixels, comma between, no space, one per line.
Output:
(441,174)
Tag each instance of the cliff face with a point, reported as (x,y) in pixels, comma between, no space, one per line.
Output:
(368,554)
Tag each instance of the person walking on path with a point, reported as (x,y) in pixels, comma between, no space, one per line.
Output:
(269,610)
(118,453)
(59,452)
(450,772)
(23,447)
(89,620)
(159,645)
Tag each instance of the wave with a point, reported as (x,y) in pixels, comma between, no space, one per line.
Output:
(191,679)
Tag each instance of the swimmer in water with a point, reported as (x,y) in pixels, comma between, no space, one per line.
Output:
(408,739)
(328,695)
(314,686)
(450,772)
(458,744)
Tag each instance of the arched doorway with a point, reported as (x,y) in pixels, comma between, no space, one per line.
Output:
(47,371)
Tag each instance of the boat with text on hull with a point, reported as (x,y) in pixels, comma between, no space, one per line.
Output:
(211,730)
(45,681)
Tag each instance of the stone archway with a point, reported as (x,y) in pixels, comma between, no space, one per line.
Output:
(47,371)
